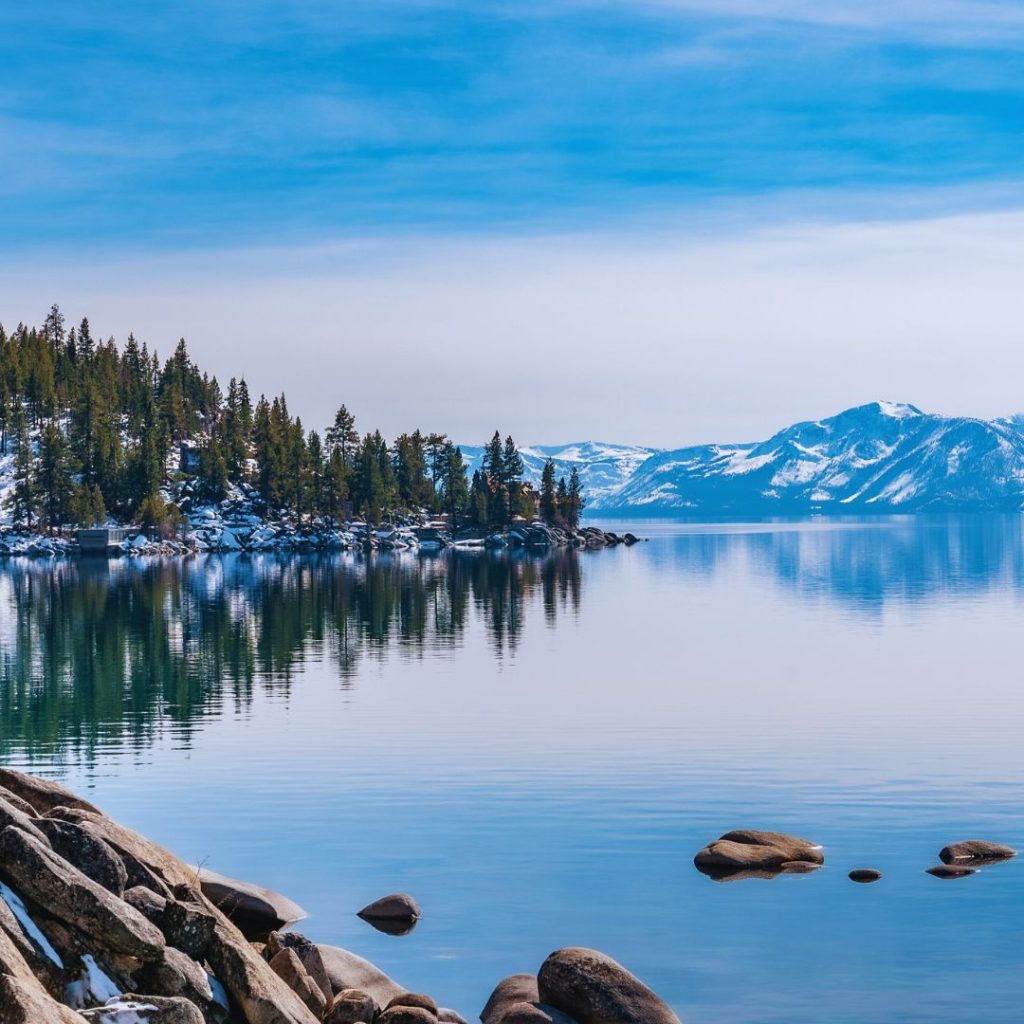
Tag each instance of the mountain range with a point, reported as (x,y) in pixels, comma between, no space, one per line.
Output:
(883,457)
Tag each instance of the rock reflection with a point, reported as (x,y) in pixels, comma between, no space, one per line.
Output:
(95,649)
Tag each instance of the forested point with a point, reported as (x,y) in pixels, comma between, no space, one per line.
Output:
(92,432)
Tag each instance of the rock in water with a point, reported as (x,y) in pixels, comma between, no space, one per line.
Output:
(255,911)
(951,871)
(978,851)
(594,989)
(398,906)
(864,875)
(35,871)
(752,850)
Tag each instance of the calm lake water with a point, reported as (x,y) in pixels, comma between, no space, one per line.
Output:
(535,748)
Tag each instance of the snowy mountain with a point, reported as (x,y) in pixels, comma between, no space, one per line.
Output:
(882,457)
(603,468)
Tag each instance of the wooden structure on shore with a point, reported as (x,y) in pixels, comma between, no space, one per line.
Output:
(100,539)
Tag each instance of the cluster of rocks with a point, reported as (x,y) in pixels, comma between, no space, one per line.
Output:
(542,535)
(749,853)
(99,924)
(34,545)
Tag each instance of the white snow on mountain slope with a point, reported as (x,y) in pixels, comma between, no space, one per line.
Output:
(884,456)
(603,468)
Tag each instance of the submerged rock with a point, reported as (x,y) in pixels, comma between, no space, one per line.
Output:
(594,989)
(951,871)
(976,851)
(865,875)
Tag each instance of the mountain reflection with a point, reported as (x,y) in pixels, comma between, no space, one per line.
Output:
(865,562)
(91,650)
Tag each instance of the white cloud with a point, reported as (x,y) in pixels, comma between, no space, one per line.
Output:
(670,337)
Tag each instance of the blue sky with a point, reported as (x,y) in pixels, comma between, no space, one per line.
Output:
(134,130)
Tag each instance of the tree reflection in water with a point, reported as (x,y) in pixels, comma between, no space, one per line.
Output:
(93,649)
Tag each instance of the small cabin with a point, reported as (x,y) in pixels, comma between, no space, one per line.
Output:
(99,539)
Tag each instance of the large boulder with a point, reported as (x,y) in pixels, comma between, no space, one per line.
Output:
(976,851)
(351,1006)
(90,854)
(594,989)
(288,967)
(260,994)
(254,910)
(516,1000)
(399,906)
(178,975)
(753,850)
(309,956)
(35,871)
(23,999)
(418,999)
(346,970)
(407,1015)
(12,815)
(16,801)
(187,923)
(42,794)
(147,863)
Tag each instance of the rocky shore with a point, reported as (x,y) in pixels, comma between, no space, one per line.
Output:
(236,524)
(99,924)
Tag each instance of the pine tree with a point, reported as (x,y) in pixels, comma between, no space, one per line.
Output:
(548,497)
(454,488)
(23,499)
(512,469)
(343,436)
(575,501)
(56,485)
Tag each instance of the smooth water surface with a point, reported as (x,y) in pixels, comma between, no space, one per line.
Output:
(535,748)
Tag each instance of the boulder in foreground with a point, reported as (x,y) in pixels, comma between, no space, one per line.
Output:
(592,988)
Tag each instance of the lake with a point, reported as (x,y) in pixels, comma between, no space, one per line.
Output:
(535,748)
